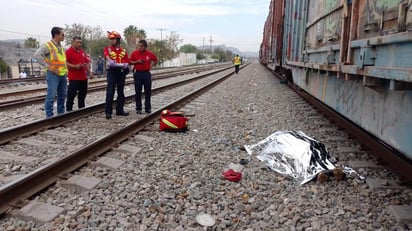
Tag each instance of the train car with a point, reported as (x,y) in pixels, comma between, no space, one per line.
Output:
(353,55)
(271,52)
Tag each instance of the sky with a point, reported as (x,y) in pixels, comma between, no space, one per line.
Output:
(232,23)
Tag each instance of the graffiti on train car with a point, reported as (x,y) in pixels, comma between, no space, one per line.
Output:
(378,17)
(333,22)
(327,29)
(359,65)
(386,4)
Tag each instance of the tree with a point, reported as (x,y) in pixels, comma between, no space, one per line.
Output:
(132,36)
(157,46)
(31,42)
(188,48)
(97,46)
(88,35)
(200,55)
(3,65)
(224,55)
(216,56)
(166,49)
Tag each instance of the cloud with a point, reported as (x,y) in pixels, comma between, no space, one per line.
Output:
(225,20)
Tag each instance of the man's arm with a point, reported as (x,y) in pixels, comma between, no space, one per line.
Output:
(40,54)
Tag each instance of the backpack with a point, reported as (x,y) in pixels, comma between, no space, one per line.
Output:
(173,121)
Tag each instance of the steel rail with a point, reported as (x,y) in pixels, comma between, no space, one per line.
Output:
(9,134)
(10,104)
(43,79)
(392,158)
(15,192)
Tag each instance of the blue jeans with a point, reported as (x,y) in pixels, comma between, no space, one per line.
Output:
(55,85)
(143,80)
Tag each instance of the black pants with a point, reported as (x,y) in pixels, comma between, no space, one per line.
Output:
(115,80)
(143,80)
(79,88)
(237,68)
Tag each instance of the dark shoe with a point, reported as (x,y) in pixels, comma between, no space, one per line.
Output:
(108,116)
(123,113)
(139,112)
(148,112)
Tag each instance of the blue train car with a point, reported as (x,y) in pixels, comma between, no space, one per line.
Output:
(356,57)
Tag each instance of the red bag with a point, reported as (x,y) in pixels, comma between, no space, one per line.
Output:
(173,121)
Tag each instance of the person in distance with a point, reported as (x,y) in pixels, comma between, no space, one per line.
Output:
(237,61)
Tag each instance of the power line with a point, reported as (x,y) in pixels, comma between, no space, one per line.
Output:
(15,32)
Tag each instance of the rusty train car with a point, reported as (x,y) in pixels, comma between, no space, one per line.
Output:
(353,55)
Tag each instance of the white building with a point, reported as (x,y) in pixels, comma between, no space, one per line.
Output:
(183,59)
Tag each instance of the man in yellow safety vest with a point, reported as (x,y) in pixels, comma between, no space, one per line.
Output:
(236,61)
(52,56)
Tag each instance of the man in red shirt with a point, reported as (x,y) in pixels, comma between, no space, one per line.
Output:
(78,64)
(143,60)
(117,69)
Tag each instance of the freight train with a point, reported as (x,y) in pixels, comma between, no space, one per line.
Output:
(353,55)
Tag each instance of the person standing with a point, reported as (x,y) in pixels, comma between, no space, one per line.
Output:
(52,56)
(237,61)
(143,60)
(100,66)
(117,69)
(79,65)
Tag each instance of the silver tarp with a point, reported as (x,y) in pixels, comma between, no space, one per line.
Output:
(294,154)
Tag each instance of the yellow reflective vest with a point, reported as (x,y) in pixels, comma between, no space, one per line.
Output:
(236,60)
(56,59)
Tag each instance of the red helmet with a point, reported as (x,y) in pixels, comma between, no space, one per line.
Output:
(113,35)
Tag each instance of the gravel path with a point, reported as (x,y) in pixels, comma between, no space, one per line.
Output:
(178,176)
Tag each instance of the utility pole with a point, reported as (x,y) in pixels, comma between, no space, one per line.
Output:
(211,41)
(203,47)
(161,39)
(38,42)
(90,53)
(161,33)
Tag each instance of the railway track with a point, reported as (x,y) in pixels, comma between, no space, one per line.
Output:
(17,112)
(389,156)
(165,180)
(6,83)
(43,134)
(31,96)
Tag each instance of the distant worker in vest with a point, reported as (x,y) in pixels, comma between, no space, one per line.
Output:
(78,64)
(237,61)
(117,64)
(100,66)
(143,61)
(52,56)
